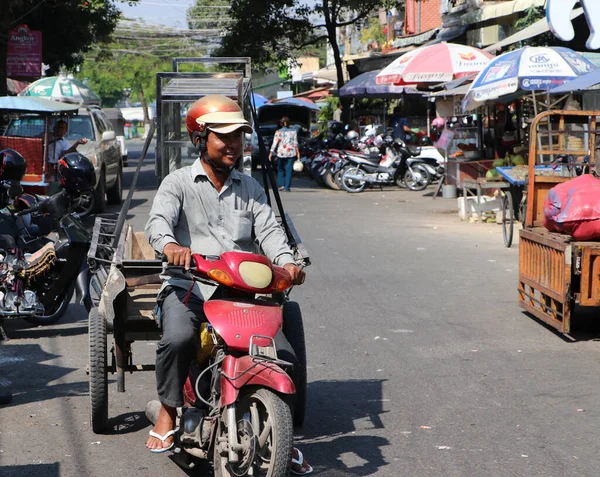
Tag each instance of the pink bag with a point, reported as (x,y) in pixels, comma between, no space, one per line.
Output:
(573,208)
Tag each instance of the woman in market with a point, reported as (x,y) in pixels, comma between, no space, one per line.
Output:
(286,149)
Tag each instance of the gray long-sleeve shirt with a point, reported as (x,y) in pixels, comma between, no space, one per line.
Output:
(188,210)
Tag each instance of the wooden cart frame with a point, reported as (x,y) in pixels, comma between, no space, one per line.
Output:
(556,273)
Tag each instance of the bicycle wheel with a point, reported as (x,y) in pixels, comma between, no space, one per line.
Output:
(508,219)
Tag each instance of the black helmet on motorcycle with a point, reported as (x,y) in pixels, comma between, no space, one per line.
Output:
(425,141)
(76,172)
(12,165)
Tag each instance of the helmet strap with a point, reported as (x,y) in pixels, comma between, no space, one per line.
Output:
(221,170)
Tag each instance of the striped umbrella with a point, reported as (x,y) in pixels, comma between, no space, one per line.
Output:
(438,63)
(60,88)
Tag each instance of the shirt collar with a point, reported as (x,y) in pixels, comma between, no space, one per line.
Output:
(198,170)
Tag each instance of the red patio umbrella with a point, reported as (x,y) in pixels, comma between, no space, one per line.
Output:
(438,63)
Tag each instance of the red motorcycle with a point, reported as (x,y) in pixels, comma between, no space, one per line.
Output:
(238,396)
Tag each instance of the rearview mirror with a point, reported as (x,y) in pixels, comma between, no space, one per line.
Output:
(108,136)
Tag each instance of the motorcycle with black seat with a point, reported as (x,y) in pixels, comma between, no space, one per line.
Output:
(239,409)
(43,248)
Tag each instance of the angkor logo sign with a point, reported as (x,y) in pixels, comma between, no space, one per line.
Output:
(558,13)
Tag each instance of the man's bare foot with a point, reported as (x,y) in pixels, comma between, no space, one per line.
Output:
(164,423)
(303,468)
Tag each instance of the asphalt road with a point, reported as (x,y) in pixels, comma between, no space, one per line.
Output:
(421,363)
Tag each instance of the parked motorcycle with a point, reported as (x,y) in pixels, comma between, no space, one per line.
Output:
(399,166)
(237,411)
(39,273)
(433,160)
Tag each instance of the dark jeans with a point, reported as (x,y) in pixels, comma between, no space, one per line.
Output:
(285,169)
(177,347)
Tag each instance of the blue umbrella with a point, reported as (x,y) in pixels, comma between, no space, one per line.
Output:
(295,102)
(527,69)
(257,100)
(581,83)
(365,85)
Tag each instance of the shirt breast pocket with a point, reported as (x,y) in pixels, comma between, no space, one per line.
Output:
(241,225)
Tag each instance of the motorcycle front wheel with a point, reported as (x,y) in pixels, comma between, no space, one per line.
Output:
(265,432)
(417,177)
(352,185)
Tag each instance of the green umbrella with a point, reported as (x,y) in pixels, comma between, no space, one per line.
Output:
(60,88)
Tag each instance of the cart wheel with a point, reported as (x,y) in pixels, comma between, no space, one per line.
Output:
(293,329)
(523,211)
(508,219)
(98,371)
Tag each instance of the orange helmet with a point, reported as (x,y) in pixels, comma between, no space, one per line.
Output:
(216,113)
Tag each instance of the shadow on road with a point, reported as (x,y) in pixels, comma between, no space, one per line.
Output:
(31,470)
(127,423)
(334,407)
(73,323)
(585,325)
(27,376)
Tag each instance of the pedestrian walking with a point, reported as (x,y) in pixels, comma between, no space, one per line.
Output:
(337,114)
(286,149)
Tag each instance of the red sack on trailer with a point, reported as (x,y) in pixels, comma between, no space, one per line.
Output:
(573,208)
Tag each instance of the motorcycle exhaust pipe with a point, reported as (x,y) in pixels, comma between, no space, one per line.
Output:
(356,177)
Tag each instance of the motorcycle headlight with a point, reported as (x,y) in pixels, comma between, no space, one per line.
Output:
(255,275)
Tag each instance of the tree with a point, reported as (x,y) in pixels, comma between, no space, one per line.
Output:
(271,31)
(533,15)
(113,75)
(69,29)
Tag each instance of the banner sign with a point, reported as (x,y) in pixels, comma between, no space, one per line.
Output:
(558,13)
(24,59)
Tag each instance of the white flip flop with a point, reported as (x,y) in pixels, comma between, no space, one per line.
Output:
(162,439)
(300,461)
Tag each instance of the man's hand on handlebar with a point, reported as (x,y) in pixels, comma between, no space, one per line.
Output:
(178,255)
(298,275)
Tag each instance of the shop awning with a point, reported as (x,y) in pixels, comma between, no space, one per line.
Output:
(415,39)
(328,74)
(531,31)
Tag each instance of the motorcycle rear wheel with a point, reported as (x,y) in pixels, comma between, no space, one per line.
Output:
(255,408)
(351,185)
(330,182)
(44,320)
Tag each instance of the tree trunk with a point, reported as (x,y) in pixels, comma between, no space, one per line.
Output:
(330,26)
(339,67)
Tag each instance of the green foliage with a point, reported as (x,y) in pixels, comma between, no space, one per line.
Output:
(112,76)
(272,31)
(373,33)
(326,113)
(533,15)
(69,28)
(268,31)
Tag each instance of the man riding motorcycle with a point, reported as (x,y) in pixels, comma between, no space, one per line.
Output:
(207,208)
